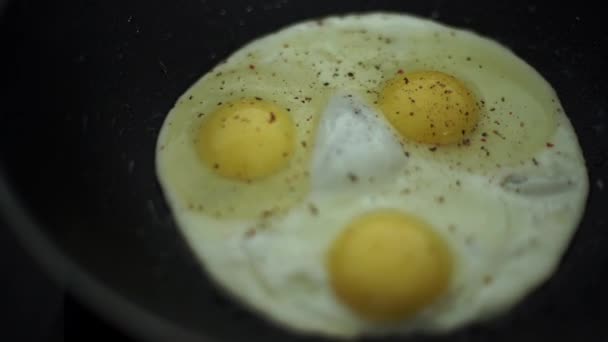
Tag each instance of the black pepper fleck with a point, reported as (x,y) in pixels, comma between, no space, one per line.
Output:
(353,177)
(313,209)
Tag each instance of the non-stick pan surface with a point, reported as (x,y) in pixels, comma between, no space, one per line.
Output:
(86,85)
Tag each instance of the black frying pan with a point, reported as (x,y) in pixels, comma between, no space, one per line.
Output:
(86,85)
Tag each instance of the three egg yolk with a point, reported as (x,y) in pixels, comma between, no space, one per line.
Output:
(247,140)
(429,107)
(386,266)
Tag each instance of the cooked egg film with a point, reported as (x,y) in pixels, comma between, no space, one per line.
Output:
(373,174)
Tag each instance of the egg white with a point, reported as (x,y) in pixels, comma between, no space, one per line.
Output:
(507,217)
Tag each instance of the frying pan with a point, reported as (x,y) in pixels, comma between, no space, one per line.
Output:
(85,88)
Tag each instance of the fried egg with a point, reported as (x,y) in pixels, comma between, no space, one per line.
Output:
(373,174)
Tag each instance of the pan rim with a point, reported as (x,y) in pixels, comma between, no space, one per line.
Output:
(112,306)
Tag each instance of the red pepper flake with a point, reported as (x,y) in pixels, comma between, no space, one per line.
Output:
(549,145)
(400,71)
(483,139)
(251,66)
(272,118)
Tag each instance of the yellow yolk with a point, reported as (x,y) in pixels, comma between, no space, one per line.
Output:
(387,266)
(247,140)
(429,107)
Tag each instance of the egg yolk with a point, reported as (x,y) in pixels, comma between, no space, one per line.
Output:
(429,107)
(386,266)
(247,140)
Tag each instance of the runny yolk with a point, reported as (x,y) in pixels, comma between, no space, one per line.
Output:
(247,140)
(429,107)
(386,266)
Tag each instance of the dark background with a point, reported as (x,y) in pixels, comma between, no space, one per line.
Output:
(36,309)
(85,85)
